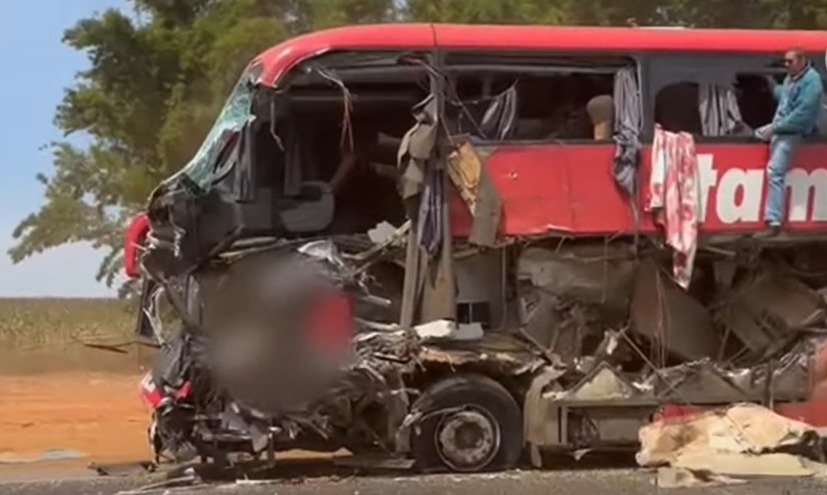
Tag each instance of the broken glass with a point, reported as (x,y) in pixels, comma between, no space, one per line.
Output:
(236,113)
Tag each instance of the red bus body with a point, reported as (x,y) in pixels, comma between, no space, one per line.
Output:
(569,188)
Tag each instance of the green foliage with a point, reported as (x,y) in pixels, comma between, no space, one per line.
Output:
(159,73)
(489,11)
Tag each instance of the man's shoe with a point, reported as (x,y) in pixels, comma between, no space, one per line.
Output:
(772,231)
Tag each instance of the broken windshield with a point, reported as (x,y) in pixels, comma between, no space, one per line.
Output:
(201,170)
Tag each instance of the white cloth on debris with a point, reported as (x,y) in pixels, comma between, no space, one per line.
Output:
(742,440)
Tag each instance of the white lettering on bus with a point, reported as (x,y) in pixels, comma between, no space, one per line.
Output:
(749,183)
(739,193)
(799,185)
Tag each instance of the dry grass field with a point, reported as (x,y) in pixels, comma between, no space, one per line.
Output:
(48,335)
(31,323)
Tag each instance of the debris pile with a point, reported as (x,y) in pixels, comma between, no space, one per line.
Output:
(593,338)
(740,333)
(722,447)
(630,340)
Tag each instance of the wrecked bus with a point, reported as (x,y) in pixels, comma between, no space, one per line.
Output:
(459,245)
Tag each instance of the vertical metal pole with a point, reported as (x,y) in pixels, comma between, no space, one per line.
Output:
(409,287)
(414,259)
(443,149)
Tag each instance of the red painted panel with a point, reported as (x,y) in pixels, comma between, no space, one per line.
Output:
(280,58)
(570,188)
(812,412)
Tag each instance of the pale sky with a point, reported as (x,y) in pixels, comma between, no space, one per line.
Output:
(36,67)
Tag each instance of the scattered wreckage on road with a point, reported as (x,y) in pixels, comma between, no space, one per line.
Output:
(500,279)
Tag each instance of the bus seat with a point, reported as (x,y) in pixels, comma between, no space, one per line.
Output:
(532,129)
(601,112)
(311,211)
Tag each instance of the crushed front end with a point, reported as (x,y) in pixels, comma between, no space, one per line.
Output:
(286,292)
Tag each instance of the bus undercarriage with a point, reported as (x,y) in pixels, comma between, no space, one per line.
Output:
(366,324)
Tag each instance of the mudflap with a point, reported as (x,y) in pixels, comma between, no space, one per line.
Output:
(155,440)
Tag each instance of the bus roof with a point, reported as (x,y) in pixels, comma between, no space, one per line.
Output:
(282,57)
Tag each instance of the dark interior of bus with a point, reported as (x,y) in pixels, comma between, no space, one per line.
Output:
(677,105)
(366,111)
(353,104)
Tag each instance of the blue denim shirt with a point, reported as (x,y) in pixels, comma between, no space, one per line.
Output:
(799,104)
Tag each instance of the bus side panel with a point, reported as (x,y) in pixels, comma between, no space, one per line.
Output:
(569,188)
(555,187)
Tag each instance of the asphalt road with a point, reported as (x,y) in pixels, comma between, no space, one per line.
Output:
(558,482)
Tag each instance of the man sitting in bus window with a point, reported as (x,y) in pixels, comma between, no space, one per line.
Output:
(797,116)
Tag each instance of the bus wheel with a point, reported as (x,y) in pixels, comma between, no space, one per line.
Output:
(470,424)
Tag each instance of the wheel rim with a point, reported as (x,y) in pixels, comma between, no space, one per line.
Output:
(467,440)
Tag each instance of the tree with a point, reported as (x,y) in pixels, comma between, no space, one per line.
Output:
(488,11)
(155,82)
(158,76)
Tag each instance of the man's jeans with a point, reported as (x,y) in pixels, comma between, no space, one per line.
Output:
(782,151)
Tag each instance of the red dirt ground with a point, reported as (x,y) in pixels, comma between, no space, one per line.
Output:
(97,414)
(86,402)
(81,400)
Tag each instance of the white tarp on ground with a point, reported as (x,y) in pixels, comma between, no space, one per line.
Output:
(742,441)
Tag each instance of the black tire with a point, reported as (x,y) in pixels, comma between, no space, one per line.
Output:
(483,399)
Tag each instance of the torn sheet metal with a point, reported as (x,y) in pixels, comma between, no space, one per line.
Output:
(605,426)
(497,352)
(471,178)
(416,149)
(574,293)
(547,324)
(416,177)
(665,314)
(769,309)
(590,274)
(705,382)
(789,377)
(700,382)
(541,416)
(603,383)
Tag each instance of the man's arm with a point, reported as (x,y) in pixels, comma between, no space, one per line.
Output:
(805,111)
(775,88)
(346,165)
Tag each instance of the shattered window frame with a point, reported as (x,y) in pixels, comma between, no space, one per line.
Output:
(542,64)
(201,172)
(344,64)
(356,59)
(667,69)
